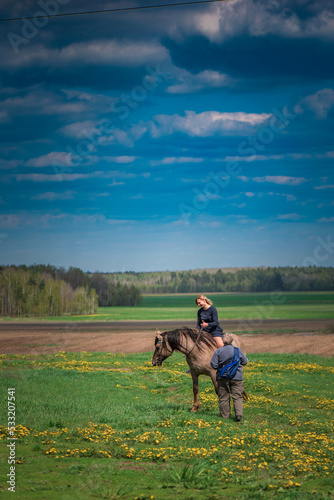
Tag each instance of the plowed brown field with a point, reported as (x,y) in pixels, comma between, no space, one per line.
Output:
(131,337)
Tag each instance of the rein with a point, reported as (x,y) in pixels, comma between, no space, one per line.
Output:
(187,353)
(200,333)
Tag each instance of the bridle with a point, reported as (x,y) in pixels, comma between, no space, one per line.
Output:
(172,350)
(161,342)
(159,358)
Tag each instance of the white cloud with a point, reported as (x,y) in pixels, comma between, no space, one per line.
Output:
(137,197)
(122,53)
(67,195)
(254,158)
(59,158)
(326,219)
(213,223)
(9,221)
(320,102)
(120,221)
(51,177)
(116,184)
(74,177)
(41,102)
(249,194)
(82,130)
(174,159)
(125,137)
(98,133)
(195,180)
(294,156)
(119,159)
(327,186)
(206,23)
(15,220)
(289,197)
(281,179)
(188,83)
(258,19)
(208,123)
(293,216)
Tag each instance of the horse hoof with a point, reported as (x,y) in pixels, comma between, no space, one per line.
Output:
(194,408)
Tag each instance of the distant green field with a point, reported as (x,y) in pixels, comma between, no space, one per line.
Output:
(273,305)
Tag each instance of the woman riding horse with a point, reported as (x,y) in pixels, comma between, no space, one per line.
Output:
(207,319)
(198,347)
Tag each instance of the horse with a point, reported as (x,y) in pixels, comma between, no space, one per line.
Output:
(198,346)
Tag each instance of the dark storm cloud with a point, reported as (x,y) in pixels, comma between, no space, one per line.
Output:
(269,60)
(269,43)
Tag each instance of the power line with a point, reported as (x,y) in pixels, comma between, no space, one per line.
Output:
(124,9)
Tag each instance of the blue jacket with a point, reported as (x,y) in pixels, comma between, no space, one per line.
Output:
(209,316)
(224,354)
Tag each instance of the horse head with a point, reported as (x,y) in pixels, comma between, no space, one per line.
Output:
(162,349)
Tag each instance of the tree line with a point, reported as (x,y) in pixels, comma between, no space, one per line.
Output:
(41,290)
(264,279)
(28,293)
(45,290)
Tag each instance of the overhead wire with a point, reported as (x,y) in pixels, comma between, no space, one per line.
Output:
(123,9)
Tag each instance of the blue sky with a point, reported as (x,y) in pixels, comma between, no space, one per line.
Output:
(167,139)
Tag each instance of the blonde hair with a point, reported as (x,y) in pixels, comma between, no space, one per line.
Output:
(201,296)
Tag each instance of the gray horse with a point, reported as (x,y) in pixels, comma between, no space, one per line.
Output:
(197,346)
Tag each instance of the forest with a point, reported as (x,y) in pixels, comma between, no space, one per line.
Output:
(45,290)
(261,279)
(41,290)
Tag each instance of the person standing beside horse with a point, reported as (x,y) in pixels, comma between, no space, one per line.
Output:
(229,386)
(207,319)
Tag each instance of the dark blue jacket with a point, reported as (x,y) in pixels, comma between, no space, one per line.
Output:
(209,316)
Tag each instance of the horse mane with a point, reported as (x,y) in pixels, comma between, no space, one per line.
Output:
(202,339)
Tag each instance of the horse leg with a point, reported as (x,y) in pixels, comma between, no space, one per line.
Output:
(195,389)
(215,383)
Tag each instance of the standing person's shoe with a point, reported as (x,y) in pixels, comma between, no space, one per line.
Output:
(238,418)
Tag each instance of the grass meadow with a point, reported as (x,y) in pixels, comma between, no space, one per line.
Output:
(267,305)
(110,426)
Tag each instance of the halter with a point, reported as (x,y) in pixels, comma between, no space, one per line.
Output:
(187,353)
(161,342)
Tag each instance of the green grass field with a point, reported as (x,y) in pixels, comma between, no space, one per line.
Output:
(274,305)
(101,425)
